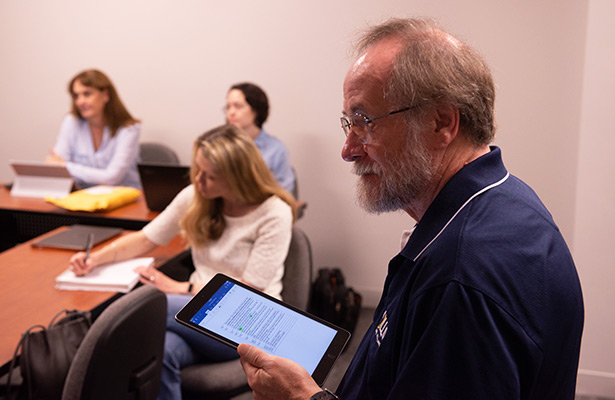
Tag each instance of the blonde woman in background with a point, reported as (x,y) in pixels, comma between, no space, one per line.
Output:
(237,220)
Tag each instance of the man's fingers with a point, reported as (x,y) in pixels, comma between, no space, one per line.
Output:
(249,359)
(248,369)
(251,354)
(242,349)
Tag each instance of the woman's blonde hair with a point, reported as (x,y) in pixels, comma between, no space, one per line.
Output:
(116,114)
(236,158)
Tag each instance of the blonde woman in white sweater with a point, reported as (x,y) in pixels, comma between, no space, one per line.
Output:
(236,219)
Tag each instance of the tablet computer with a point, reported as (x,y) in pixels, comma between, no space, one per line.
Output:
(233,313)
(76,236)
(40,179)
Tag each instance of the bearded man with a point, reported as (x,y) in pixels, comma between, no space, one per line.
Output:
(483,301)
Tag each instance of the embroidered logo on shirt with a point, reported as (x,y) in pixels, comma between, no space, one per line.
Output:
(382,328)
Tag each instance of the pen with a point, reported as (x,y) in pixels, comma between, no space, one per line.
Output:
(88,246)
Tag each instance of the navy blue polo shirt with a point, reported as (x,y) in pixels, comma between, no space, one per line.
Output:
(483,302)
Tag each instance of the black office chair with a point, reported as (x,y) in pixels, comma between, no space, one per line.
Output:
(121,355)
(226,379)
(157,153)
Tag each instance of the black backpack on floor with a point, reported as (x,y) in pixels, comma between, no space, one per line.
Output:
(332,301)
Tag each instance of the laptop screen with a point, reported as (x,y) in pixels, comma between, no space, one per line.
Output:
(162,182)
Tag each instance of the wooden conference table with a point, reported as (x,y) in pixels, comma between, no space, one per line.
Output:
(23,218)
(28,295)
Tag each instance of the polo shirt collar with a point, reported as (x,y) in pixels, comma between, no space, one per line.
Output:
(472,178)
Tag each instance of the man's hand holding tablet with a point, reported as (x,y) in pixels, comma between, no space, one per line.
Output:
(277,377)
(235,313)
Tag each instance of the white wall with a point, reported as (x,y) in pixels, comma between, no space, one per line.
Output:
(595,201)
(173,62)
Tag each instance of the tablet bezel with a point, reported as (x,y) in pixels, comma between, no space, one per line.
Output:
(198,301)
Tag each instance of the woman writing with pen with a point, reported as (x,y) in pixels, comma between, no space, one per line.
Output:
(237,220)
(88,246)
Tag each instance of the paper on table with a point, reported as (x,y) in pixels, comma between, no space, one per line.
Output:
(114,277)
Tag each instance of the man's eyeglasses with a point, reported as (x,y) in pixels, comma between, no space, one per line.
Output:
(360,124)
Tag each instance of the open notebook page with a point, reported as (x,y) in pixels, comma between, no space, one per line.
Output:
(114,277)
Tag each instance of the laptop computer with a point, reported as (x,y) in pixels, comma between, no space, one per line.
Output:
(76,237)
(40,179)
(162,182)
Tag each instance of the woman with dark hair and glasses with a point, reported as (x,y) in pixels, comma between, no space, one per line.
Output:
(247,107)
(99,139)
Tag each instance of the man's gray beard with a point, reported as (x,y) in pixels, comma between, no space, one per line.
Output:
(407,174)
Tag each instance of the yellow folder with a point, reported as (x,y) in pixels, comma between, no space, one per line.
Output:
(96,198)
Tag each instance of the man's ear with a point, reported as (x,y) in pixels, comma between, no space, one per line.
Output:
(446,125)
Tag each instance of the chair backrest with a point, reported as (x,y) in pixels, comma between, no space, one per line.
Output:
(298,271)
(301,205)
(121,355)
(226,379)
(295,191)
(157,153)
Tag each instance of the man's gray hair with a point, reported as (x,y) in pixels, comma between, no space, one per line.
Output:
(434,68)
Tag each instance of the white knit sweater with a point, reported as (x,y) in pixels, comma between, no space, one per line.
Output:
(252,247)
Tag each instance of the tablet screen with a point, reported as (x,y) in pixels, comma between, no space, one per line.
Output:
(234,313)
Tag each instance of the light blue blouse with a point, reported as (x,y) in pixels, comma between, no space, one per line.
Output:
(115,161)
(276,157)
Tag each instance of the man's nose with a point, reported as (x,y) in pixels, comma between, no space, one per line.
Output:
(354,148)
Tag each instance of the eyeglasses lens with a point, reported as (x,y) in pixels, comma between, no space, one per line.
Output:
(355,123)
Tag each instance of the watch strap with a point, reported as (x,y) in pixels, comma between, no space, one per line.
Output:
(324,394)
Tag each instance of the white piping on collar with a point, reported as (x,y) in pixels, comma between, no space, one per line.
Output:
(498,183)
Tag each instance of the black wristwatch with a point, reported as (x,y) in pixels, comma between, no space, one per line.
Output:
(324,394)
